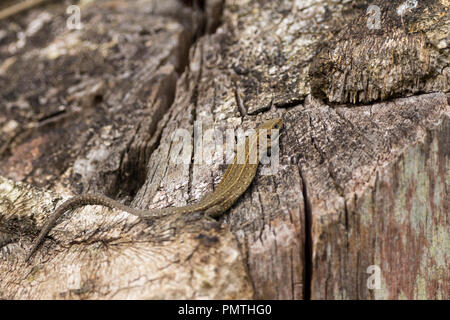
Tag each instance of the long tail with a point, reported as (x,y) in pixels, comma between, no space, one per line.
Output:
(79,201)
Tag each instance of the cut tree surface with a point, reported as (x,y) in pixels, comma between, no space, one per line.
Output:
(363,177)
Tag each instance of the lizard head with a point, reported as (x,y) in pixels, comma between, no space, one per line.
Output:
(269,125)
(275,123)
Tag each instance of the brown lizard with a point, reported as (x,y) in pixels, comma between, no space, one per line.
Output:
(236,180)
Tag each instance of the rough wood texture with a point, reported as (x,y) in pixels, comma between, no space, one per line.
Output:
(405,54)
(94,110)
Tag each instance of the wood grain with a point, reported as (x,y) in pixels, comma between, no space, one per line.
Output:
(358,184)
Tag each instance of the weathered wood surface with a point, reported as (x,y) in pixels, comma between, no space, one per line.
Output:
(94,111)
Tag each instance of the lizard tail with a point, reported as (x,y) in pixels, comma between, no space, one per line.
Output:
(67,205)
(78,201)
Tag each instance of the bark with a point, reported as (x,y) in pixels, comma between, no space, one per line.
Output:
(364,154)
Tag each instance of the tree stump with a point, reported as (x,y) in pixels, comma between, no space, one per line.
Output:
(358,207)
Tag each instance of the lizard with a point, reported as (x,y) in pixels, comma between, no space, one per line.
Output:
(235,181)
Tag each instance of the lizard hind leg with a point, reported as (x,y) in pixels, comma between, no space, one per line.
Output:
(214,211)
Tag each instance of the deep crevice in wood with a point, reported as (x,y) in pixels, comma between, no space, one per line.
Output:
(308,250)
